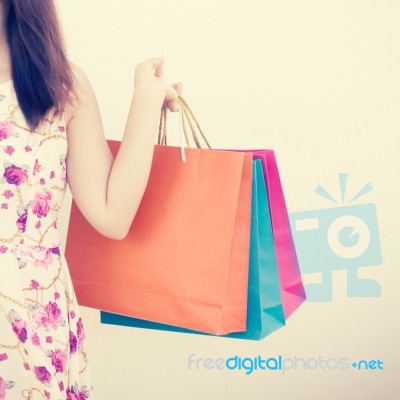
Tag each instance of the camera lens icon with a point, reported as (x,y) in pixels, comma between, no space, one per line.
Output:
(338,238)
(348,236)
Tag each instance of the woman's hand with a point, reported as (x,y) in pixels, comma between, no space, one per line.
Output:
(173,105)
(149,83)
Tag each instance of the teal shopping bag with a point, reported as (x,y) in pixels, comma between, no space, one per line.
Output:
(264,305)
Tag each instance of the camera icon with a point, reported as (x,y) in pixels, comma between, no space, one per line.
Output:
(337,238)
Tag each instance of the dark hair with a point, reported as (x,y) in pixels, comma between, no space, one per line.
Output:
(41,73)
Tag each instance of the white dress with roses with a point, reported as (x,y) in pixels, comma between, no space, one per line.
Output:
(42,342)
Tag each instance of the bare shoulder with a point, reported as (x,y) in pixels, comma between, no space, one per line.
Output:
(84,92)
(81,79)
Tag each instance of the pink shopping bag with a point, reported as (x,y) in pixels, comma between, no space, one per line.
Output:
(292,289)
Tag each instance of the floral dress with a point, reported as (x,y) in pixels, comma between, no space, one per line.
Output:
(42,341)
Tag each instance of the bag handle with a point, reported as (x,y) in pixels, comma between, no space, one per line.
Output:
(186,117)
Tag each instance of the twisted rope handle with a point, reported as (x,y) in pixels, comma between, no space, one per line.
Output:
(187,117)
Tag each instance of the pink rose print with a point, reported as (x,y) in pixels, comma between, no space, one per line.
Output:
(72,343)
(36,255)
(5,129)
(52,175)
(34,284)
(63,176)
(8,194)
(21,222)
(42,374)
(41,203)
(2,389)
(19,328)
(73,393)
(26,366)
(3,357)
(36,167)
(35,339)
(15,175)
(80,332)
(4,385)
(4,206)
(9,150)
(41,318)
(28,148)
(3,249)
(59,360)
(49,339)
(61,386)
(54,314)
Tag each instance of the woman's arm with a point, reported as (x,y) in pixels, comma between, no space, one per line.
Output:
(107,191)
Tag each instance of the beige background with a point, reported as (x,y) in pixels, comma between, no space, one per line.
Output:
(318,81)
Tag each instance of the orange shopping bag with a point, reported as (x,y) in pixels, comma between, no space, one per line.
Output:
(185,259)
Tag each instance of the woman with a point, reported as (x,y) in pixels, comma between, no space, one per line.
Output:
(46,107)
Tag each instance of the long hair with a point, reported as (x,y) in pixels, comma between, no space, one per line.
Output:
(41,74)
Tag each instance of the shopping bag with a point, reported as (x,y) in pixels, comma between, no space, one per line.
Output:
(292,289)
(185,259)
(265,308)
(264,305)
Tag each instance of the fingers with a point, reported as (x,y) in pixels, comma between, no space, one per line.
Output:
(145,75)
(178,87)
(152,66)
(157,66)
(159,71)
(172,102)
(156,62)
